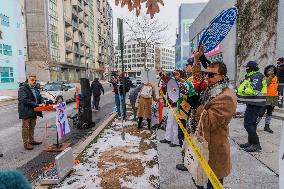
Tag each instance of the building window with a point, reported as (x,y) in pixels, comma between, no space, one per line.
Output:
(6,74)
(6,49)
(4,20)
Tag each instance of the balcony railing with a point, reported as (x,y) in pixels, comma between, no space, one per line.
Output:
(69,60)
(68,35)
(69,48)
(86,2)
(75,24)
(74,12)
(76,49)
(68,21)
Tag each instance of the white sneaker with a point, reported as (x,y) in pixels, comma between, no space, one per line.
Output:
(96,110)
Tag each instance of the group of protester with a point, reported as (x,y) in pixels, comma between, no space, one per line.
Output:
(208,99)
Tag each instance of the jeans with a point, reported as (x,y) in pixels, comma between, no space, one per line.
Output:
(120,104)
(281,89)
(251,120)
(209,185)
(96,102)
(134,109)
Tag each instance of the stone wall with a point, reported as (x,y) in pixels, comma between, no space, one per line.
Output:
(257,33)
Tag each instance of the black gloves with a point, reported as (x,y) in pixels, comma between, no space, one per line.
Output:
(194,101)
(204,61)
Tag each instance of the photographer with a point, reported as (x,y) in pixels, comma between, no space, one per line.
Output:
(117,83)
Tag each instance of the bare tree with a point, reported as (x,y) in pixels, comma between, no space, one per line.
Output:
(151,5)
(146,32)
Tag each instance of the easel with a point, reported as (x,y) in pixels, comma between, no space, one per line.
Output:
(58,147)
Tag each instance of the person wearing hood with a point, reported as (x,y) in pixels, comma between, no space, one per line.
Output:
(252,92)
(29,98)
(96,88)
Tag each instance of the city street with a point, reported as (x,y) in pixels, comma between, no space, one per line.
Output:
(16,157)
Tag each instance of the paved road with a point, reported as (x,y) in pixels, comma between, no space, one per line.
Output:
(16,157)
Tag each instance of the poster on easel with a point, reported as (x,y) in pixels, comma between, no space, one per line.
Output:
(62,124)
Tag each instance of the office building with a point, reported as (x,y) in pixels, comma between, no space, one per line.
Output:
(187,14)
(12,44)
(63,38)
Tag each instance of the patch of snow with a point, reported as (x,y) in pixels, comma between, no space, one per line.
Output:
(2,98)
(86,174)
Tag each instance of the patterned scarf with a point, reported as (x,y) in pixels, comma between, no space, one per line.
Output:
(215,90)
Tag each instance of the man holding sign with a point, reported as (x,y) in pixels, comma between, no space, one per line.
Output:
(214,114)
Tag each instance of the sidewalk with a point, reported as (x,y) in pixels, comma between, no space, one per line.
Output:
(8,95)
(141,161)
(247,172)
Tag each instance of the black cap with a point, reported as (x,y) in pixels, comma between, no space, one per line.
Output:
(190,62)
(251,64)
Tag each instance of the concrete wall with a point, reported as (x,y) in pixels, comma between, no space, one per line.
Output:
(280,30)
(211,10)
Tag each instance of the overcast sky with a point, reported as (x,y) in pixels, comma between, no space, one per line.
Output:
(168,14)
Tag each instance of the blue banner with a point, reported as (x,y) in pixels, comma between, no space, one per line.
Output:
(218,29)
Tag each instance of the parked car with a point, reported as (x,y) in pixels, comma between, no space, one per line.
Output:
(59,92)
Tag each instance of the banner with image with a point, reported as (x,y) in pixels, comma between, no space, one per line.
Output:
(62,124)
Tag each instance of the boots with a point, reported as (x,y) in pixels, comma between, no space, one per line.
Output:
(267,129)
(246,145)
(181,167)
(35,143)
(149,123)
(140,119)
(253,148)
(28,146)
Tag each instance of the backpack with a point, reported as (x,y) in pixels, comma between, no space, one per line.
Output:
(146,91)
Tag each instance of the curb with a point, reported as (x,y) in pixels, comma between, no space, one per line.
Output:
(80,148)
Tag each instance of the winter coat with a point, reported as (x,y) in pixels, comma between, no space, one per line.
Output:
(145,105)
(280,73)
(216,118)
(27,102)
(118,86)
(253,92)
(97,88)
(134,94)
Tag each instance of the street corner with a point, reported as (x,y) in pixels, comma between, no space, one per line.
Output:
(122,156)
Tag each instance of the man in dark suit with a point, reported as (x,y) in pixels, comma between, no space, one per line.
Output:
(29,98)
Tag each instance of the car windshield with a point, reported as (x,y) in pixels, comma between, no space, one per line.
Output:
(69,86)
(52,87)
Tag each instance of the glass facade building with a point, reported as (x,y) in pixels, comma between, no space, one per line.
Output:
(12,44)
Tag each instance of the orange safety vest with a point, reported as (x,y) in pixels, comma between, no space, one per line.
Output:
(272,88)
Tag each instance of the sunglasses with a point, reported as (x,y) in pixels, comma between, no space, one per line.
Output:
(211,74)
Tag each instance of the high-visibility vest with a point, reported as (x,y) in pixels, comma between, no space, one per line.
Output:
(246,89)
(272,88)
